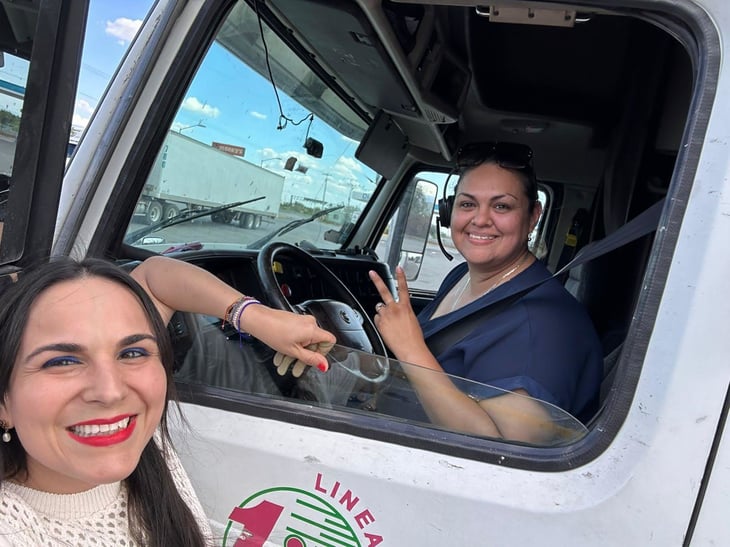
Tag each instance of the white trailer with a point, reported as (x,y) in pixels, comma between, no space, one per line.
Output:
(189,174)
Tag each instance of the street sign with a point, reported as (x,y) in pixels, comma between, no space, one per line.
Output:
(231,149)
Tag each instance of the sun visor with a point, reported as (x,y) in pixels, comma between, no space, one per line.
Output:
(384,146)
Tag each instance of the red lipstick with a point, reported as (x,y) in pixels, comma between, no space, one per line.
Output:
(105,439)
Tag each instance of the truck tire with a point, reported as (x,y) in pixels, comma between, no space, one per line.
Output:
(245,221)
(223,217)
(257,222)
(170,210)
(155,210)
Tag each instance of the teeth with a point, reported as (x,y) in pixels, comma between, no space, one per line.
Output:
(104,429)
(474,236)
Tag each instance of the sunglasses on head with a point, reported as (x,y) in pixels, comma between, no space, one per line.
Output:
(509,155)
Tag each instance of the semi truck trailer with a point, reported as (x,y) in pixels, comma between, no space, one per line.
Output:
(189,174)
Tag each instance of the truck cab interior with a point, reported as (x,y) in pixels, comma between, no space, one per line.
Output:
(392,89)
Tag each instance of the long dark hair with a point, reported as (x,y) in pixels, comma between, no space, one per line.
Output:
(158,516)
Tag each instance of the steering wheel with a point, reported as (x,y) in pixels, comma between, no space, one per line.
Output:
(343,317)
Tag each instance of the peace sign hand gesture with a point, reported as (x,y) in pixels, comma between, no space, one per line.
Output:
(397,322)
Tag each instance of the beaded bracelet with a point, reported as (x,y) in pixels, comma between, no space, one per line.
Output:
(235,311)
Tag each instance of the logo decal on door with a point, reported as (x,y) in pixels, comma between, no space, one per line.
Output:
(292,517)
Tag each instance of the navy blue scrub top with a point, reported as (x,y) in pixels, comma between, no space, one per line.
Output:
(544,343)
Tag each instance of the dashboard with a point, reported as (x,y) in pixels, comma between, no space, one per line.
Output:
(300,283)
(213,354)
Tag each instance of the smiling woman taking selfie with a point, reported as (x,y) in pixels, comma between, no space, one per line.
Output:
(85,385)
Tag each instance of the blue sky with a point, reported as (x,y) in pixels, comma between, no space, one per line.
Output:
(241,112)
(110,28)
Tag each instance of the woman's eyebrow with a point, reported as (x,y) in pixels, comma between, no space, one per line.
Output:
(492,198)
(134,338)
(505,195)
(62,347)
(69,347)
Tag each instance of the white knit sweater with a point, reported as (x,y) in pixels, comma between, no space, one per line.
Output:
(96,517)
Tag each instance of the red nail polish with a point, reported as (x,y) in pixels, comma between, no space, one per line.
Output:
(322,367)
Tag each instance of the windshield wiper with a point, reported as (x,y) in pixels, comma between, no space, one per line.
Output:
(182,216)
(293,225)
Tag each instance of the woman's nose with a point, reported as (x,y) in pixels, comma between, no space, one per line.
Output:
(107,383)
(482,217)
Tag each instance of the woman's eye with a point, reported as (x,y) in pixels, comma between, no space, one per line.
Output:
(502,207)
(465,204)
(134,353)
(60,362)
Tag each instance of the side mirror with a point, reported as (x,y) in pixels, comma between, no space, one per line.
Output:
(411,228)
(411,264)
(152,240)
(339,236)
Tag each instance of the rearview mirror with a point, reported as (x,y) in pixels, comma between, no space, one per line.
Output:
(313,147)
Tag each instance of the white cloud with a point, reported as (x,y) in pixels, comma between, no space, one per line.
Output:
(350,164)
(123,29)
(192,104)
(346,169)
(267,153)
(274,160)
(82,114)
(83,107)
(258,115)
(79,121)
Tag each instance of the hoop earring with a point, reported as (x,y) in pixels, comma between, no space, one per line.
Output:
(6,434)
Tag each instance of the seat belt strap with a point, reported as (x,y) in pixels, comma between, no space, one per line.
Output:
(574,238)
(641,225)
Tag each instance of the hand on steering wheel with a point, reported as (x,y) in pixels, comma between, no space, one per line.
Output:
(283,361)
(343,317)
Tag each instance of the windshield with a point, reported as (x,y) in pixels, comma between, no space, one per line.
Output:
(246,162)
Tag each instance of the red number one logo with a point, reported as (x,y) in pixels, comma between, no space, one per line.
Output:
(258,523)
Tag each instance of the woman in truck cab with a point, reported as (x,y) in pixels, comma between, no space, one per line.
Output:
(542,345)
(85,382)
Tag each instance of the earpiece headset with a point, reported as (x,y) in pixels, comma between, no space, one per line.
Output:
(446,203)
(445,206)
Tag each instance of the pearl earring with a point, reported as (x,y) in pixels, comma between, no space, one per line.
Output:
(6,434)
